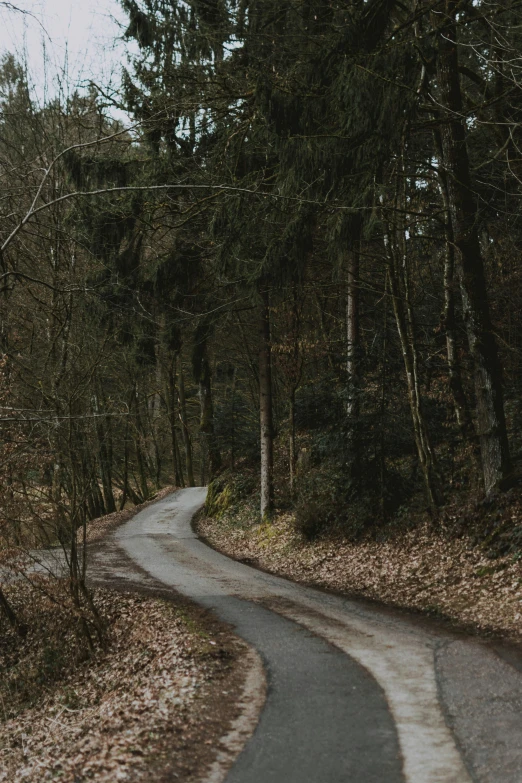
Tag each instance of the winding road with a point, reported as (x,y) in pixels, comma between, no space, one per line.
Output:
(355,694)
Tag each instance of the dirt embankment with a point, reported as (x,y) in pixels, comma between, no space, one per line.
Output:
(417,569)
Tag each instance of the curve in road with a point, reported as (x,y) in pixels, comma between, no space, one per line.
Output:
(354,693)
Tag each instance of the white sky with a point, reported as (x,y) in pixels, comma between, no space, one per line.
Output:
(79,38)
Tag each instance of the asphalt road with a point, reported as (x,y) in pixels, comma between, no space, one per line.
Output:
(355,694)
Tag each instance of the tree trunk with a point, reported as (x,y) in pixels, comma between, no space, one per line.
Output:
(125,481)
(352,358)
(206,424)
(384,378)
(184,426)
(291,443)
(140,453)
(265,410)
(154,412)
(460,401)
(203,463)
(409,353)
(9,613)
(399,277)
(104,452)
(233,421)
(125,484)
(171,399)
(492,431)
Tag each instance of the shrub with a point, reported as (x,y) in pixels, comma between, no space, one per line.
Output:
(309,520)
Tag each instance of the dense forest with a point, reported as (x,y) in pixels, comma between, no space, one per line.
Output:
(297,262)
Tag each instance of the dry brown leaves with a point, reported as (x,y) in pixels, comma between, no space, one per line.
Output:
(108,717)
(418,570)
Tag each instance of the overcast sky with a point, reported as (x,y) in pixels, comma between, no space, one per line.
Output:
(79,38)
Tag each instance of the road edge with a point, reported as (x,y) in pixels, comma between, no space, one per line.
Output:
(252,700)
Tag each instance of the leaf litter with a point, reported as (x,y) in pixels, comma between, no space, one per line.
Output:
(153,703)
(420,568)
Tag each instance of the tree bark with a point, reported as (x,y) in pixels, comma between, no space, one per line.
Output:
(460,401)
(154,413)
(184,427)
(291,444)
(233,421)
(140,453)
(352,357)
(492,430)
(171,398)
(409,353)
(399,277)
(265,409)
(104,438)
(384,379)
(9,613)
(206,424)
(125,481)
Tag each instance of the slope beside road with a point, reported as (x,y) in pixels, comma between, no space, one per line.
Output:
(354,693)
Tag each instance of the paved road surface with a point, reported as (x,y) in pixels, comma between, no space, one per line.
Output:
(355,694)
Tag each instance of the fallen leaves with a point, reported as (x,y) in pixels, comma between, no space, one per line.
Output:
(106,718)
(417,569)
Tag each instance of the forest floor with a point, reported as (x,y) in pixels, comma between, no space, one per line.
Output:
(443,575)
(153,703)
